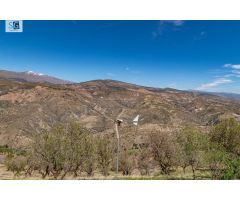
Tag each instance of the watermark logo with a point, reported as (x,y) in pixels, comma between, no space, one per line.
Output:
(13,26)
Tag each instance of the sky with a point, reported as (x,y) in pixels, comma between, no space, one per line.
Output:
(186,55)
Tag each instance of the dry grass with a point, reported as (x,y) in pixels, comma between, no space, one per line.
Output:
(175,175)
(4,174)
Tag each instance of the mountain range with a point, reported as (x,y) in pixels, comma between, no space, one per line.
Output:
(30,76)
(31,102)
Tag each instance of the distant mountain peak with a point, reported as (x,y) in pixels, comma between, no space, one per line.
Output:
(34,73)
(31,76)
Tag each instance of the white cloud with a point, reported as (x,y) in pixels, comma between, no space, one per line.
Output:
(231,75)
(235,70)
(232,66)
(214,84)
(165,25)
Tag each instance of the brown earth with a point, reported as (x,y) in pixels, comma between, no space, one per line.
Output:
(26,108)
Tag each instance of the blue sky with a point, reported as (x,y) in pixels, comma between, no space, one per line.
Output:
(201,55)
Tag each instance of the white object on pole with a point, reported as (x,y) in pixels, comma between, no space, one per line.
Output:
(135,120)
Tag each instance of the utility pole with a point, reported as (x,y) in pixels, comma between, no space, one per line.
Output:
(135,122)
(117,124)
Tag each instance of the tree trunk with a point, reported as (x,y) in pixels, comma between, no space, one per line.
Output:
(193,171)
(184,170)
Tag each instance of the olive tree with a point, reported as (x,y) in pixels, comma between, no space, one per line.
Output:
(105,152)
(225,137)
(75,144)
(48,150)
(216,159)
(62,150)
(126,162)
(163,151)
(90,157)
(190,142)
(144,161)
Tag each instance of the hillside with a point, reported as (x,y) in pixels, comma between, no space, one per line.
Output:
(27,108)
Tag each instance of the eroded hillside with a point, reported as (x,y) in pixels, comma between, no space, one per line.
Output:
(27,108)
